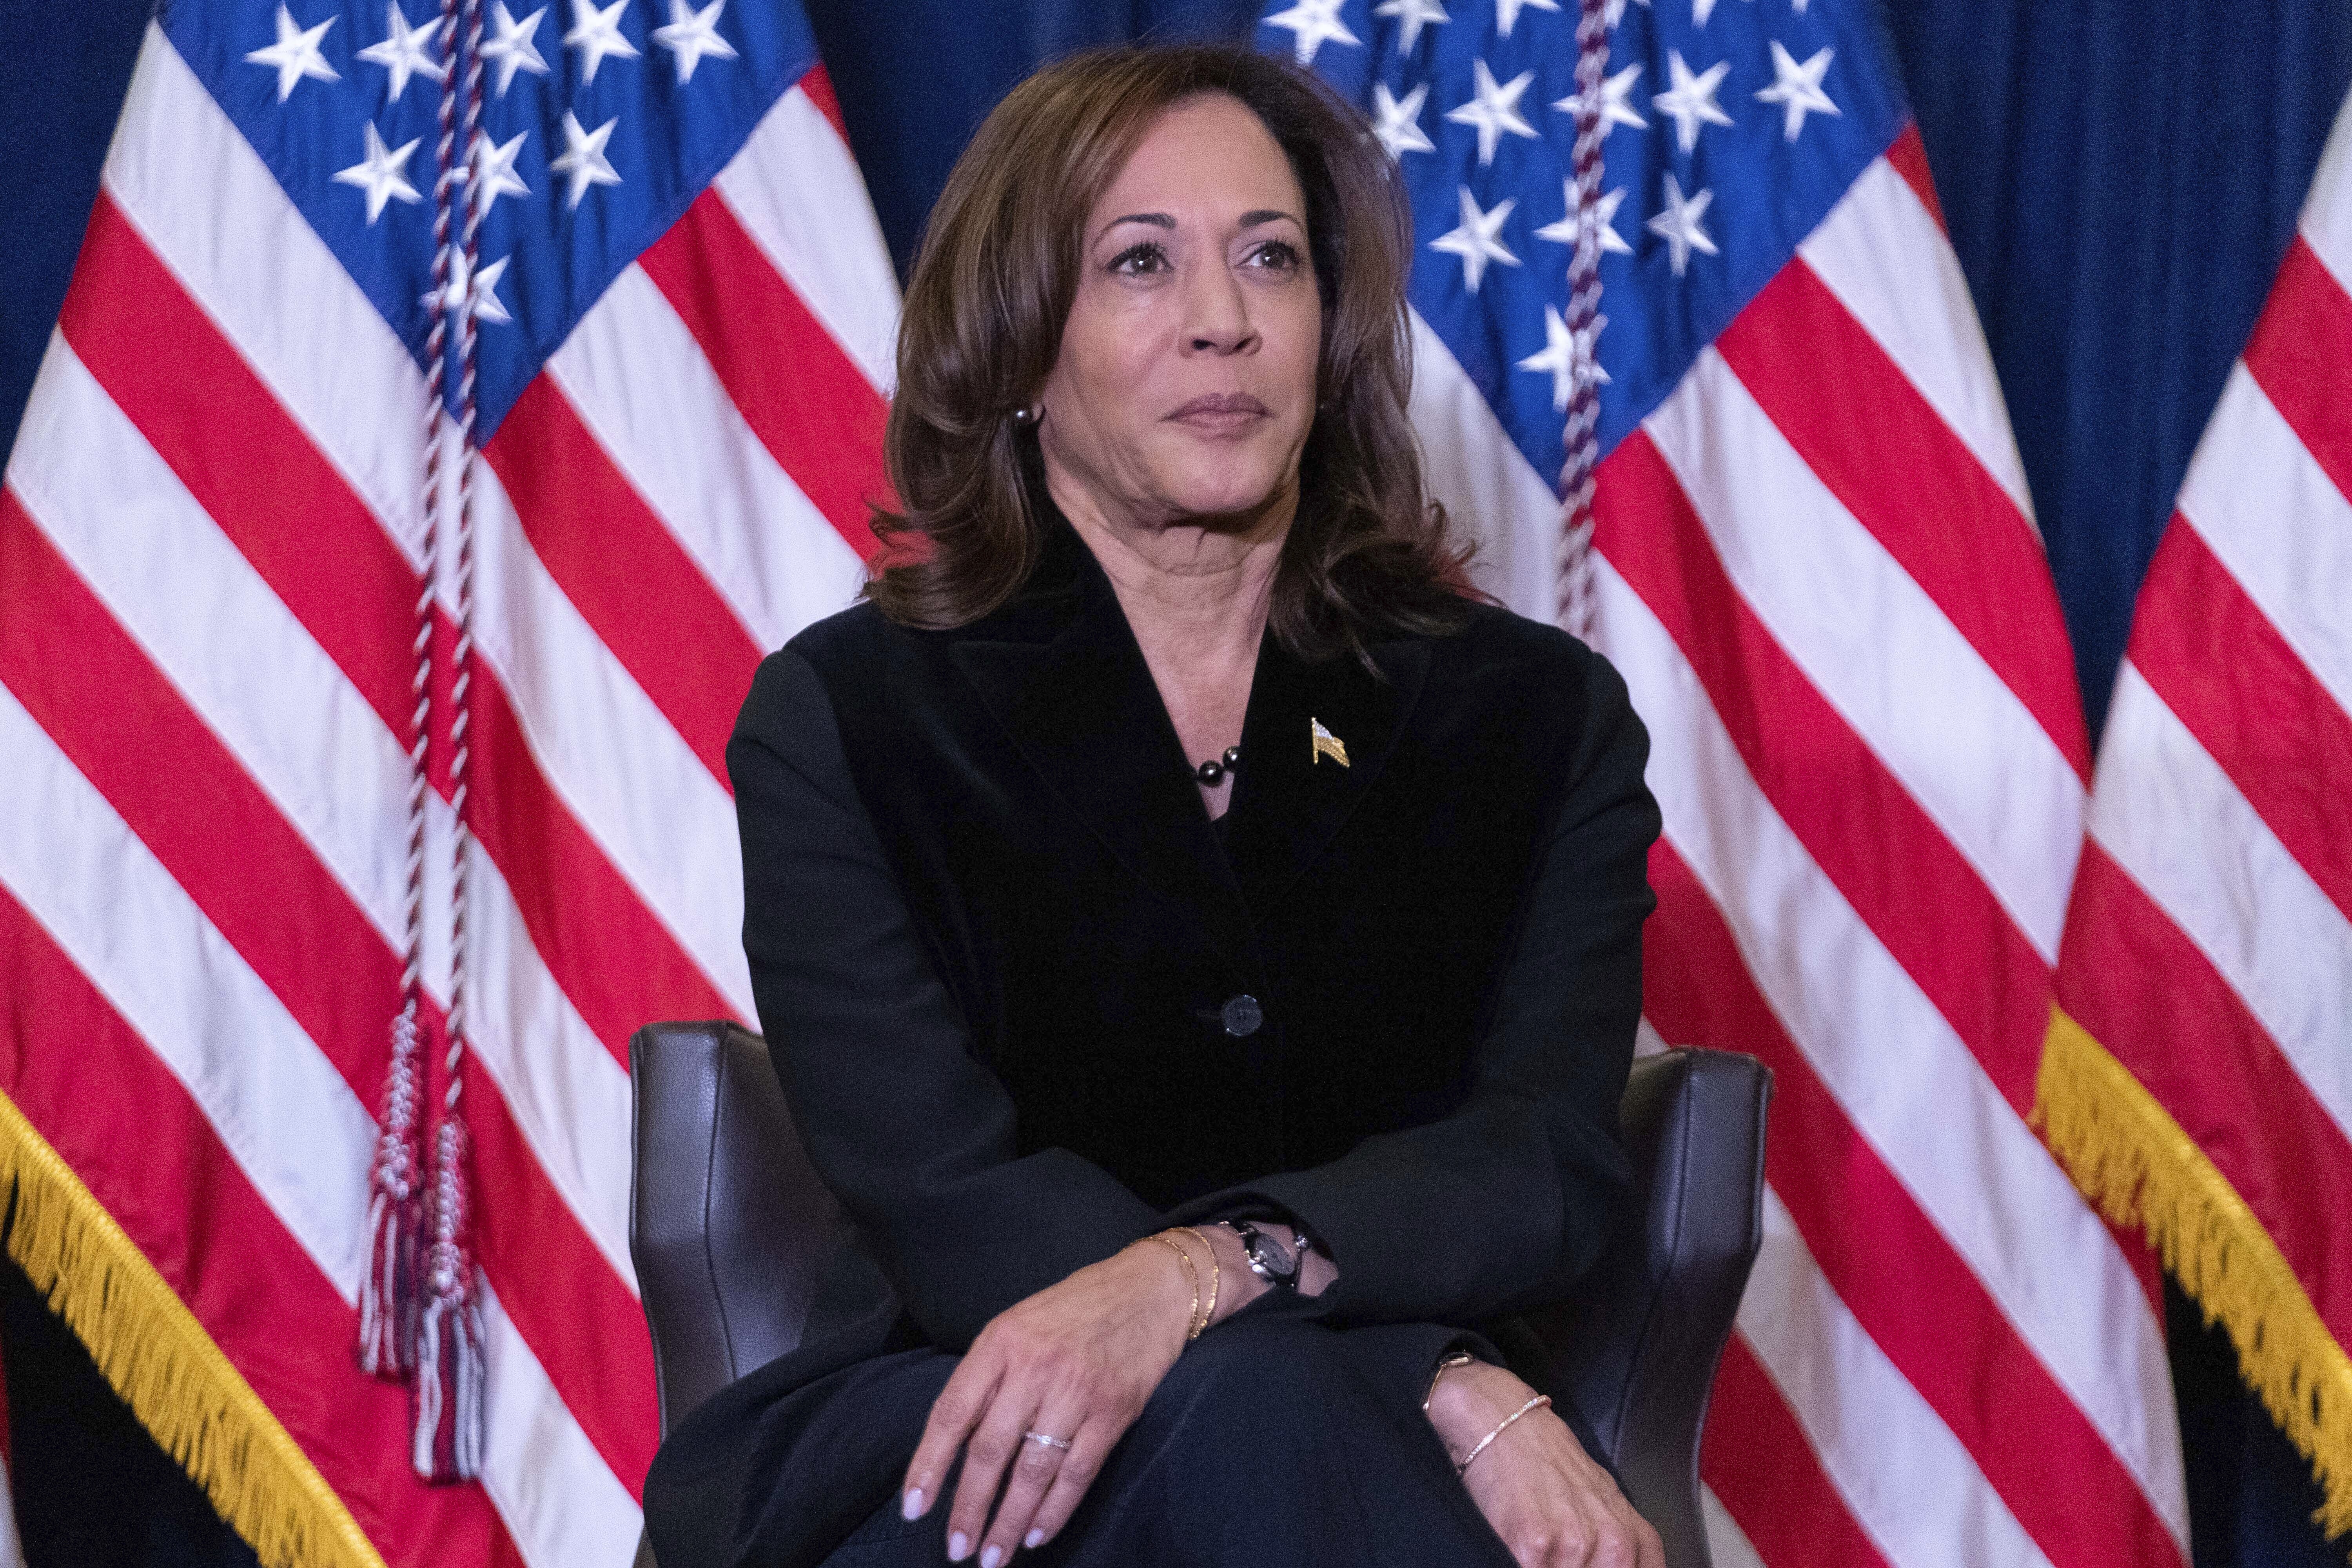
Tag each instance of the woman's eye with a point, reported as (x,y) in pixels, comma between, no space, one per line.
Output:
(1137,259)
(1276,254)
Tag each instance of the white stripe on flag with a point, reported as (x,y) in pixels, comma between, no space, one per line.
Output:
(2174,821)
(2270,514)
(1489,491)
(1884,257)
(798,194)
(2327,221)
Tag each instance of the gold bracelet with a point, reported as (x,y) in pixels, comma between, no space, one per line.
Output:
(1191,1329)
(1216,1276)
(1459,1358)
(1463,1467)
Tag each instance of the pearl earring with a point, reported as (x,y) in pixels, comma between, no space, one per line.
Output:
(1028,416)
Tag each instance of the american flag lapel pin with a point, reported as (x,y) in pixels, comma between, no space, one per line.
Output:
(1327,744)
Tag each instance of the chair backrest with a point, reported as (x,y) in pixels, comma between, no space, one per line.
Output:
(729,1225)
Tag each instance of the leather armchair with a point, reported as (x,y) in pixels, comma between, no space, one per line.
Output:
(728,1223)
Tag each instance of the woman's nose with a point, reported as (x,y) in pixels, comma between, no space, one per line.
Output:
(1217,313)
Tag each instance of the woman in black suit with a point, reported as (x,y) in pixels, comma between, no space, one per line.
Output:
(1199,943)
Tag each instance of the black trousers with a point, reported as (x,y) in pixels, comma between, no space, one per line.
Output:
(1263,1448)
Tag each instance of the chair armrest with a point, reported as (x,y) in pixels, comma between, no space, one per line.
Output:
(1634,1351)
(728,1223)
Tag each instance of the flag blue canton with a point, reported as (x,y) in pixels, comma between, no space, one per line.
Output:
(1721,158)
(333,97)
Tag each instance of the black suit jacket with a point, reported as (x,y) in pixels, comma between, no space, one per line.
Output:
(993,940)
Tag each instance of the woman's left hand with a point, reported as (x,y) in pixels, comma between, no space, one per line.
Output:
(1542,1493)
(1077,1361)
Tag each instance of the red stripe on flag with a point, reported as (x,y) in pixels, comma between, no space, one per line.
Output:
(2144,992)
(1890,459)
(1761,1467)
(128,1128)
(645,597)
(808,402)
(249,466)
(1889,1263)
(2217,661)
(130,733)
(1853,816)
(819,88)
(1909,155)
(2298,354)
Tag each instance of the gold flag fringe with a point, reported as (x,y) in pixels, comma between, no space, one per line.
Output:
(166,1368)
(2131,1158)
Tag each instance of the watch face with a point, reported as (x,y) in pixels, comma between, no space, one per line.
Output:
(1269,1256)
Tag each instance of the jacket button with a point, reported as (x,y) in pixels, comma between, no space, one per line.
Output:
(1241,1015)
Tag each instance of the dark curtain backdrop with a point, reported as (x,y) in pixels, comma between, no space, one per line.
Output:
(2120,178)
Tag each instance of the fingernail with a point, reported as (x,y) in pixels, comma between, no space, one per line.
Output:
(1033,1540)
(992,1557)
(911,1505)
(959,1547)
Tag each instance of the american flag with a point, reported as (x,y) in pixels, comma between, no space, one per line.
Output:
(212,552)
(2200,1077)
(1817,567)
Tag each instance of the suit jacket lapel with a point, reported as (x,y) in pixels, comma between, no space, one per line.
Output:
(1060,670)
(1289,800)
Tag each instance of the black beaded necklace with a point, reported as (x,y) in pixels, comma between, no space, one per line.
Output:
(1212,772)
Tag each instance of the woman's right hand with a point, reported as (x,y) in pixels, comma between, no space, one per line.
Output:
(1077,1361)
(1542,1493)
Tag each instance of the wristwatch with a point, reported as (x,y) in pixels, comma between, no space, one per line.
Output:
(1268,1259)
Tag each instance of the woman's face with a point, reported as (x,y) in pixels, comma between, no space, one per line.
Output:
(1186,381)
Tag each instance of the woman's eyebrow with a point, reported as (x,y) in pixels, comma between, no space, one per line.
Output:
(1157,220)
(1267,214)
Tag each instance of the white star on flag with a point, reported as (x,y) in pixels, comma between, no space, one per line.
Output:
(1411,17)
(296,53)
(1566,357)
(494,170)
(1616,108)
(1475,240)
(510,49)
(1603,218)
(596,33)
(380,173)
(1397,122)
(403,52)
(1493,109)
(584,161)
(1797,89)
(1314,23)
(693,34)
(1677,224)
(476,296)
(1506,11)
(1691,98)
(1702,9)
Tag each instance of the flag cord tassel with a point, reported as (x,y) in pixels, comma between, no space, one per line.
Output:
(155,1354)
(2131,1158)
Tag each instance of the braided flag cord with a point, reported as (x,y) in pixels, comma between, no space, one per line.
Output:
(1585,322)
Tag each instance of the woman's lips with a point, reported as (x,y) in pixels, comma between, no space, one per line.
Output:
(1221,413)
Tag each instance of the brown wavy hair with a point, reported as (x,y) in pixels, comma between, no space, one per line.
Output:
(1369,554)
